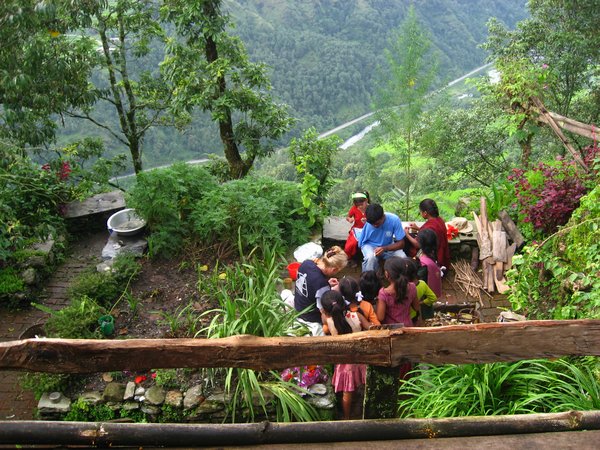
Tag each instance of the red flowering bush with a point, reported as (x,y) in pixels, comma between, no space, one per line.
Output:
(549,193)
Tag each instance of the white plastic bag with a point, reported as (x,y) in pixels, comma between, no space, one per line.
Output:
(306,251)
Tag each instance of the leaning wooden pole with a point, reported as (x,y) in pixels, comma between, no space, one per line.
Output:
(554,126)
(459,344)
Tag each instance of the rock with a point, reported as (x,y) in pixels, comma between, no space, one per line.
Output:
(129,391)
(322,402)
(115,406)
(113,392)
(105,266)
(92,397)
(155,396)
(130,406)
(29,276)
(318,389)
(117,245)
(139,391)
(219,397)
(54,403)
(151,409)
(209,407)
(193,397)
(174,398)
(256,400)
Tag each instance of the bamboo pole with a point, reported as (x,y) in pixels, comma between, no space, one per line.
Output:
(108,434)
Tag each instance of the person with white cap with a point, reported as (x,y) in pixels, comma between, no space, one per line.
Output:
(356,216)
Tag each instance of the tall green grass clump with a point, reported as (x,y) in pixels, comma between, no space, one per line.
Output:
(249,304)
(534,386)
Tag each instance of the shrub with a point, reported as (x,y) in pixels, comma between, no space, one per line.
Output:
(79,320)
(165,198)
(559,278)
(38,382)
(264,210)
(548,194)
(125,268)
(32,197)
(100,286)
(10,282)
(82,411)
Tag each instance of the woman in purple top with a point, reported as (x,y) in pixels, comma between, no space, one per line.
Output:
(428,244)
(395,300)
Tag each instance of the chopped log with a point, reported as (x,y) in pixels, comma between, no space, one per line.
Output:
(499,279)
(459,344)
(483,232)
(499,242)
(511,228)
(491,277)
(510,252)
(474,258)
(522,431)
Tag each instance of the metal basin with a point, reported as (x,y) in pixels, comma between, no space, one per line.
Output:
(126,222)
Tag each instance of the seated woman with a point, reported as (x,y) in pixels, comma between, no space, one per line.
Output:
(429,212)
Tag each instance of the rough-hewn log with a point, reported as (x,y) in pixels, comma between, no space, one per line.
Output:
(511,229)
(192,435)
(478,343)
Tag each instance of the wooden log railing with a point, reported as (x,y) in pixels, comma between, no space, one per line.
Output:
(478,343)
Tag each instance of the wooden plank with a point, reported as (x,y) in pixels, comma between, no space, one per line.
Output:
(478,343)
(511,229)
(100,203)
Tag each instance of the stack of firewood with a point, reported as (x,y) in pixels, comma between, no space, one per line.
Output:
(468,281)
(495,252)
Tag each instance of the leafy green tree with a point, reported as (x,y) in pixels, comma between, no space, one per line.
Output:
(42,72)
(313,159)
(223,82)
(466,145)
(401,100)
(561,34)
(129,82)
(553,56)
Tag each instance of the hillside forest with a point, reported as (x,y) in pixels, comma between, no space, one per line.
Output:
(91,90)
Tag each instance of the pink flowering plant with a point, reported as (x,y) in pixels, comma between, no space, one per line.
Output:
(305,376)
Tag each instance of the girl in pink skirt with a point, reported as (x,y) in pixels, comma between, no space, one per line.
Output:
(338,319)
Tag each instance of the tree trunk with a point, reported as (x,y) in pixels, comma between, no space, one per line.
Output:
(237,167)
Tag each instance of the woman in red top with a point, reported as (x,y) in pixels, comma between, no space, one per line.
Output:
(429,212)
(356,216)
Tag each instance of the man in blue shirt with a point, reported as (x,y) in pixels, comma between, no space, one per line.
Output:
(381,237)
